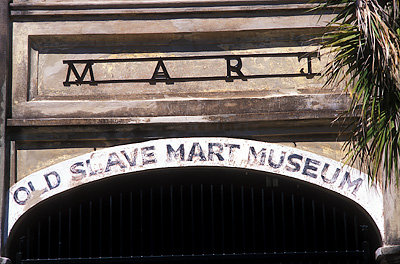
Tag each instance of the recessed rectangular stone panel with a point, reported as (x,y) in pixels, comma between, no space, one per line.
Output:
(271,63)
(191,68)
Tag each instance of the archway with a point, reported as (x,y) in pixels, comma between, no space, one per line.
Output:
(196,214)
(195,152)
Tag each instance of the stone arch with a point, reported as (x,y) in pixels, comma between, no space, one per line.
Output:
(192,152)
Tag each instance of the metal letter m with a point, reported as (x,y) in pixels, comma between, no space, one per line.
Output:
(80,78)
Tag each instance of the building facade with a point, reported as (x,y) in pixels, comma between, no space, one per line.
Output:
(164,130)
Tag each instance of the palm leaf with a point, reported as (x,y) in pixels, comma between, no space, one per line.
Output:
(364,40)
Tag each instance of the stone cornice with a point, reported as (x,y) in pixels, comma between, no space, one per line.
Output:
(75,8)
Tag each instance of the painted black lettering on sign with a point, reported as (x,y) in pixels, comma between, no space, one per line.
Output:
(296,165)
(177,154)
(51,184)
(148,155)
(308,167)
(334,177)
(113,160)
(91,172)
(31,186)
(231,147)
(270,158)
(77,174)
(346,179)
(253,154)
(132,158)
(16,195)
(212,151)
(196,151)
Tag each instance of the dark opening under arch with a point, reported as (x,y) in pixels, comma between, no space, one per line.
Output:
(195,215)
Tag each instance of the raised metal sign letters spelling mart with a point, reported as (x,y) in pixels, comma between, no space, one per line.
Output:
(234,65)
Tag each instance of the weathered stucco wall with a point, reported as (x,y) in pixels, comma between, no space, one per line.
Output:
(241,69)
(269,38)
(194,39)
(4,84)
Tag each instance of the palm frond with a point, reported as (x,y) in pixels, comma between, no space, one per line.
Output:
(364,40)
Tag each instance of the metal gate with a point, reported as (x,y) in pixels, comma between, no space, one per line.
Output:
(195,215)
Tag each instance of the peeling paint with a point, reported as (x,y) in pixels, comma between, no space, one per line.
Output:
(192,152)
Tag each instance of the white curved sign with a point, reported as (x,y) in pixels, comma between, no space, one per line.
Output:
(186,152)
